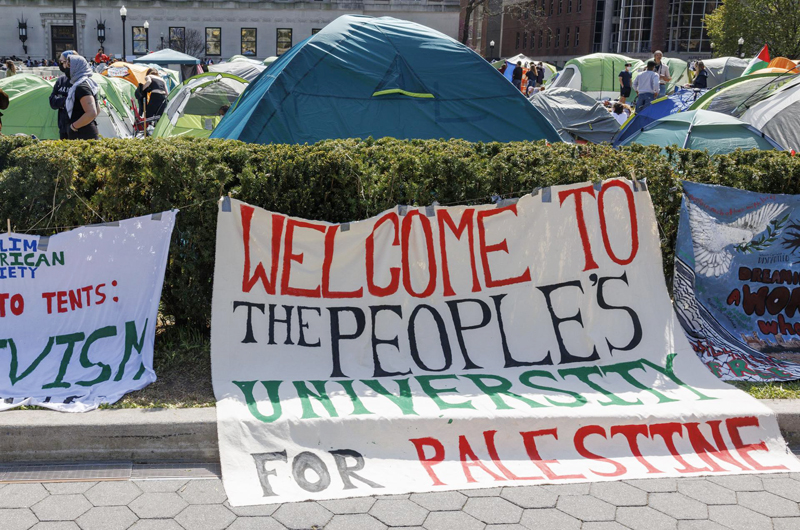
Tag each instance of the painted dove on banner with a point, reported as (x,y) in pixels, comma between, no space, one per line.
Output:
(712,239)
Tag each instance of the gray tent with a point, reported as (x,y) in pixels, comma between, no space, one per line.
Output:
(575,114)
(724,69)
(245,69)
(779,115)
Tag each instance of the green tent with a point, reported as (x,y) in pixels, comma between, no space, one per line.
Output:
(194,106)
(29,109)
(596,74)
(735,96)
(703,130)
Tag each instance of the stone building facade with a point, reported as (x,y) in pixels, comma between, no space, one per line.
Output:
(217,29)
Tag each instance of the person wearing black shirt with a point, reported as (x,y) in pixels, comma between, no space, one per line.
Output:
(58,98)
(156,89)
(516,77)
(625,83)
(3,106)
(700,76)
(81,104)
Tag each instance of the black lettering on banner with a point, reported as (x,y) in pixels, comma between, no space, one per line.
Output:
(375,309)
(412,339)
(263,473)
(287,321)
(336,334)
(486,317)
(637,326)
(510,361)
(340,456)
(301,341)
(248,335)
(566,356)
(305,461)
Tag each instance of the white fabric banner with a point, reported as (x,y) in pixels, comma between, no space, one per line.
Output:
(434,348)
(78,312)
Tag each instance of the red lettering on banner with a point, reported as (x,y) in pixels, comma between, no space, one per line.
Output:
(406,238)
(529,438)
(580,437)
(587,246)
(488,437)
(374,289)
(330,237)
(631,211)
(428,463)
(289,257)
(470,459)
(464,224)
(497,247)
(733,425)
(631,433)
(260,273)
(666,431)
(705,450)
(16,305)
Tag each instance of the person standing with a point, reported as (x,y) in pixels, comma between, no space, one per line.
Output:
(152,94)
(533,75)
(625,83)
(662,70)
(101,57)
(81,104)
(11,68)
(646,84)
(540,74)
(58,98)
(516,77)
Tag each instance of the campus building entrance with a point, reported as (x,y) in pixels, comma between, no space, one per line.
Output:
(62,39)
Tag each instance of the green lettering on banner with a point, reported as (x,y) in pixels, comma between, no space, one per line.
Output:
(425,382)
(12,374)
(304,393)
(502,388)
(58,257)
(583,374)
(358,406)
(130,344)
(70,341)
(668,371)
(525,379)
(404,401)
(624,369)
(105,370)
(42,259)
(272,391)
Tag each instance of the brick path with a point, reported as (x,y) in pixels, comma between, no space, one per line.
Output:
(752,502)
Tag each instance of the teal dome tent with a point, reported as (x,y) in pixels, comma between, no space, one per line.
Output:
(381,77)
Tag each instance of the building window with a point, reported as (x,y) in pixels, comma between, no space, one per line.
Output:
(636,19)
(283,40)
(177,39)
(213,41)
(541,38)
(560,6)
(314,31)
(577,35)
(139,40)
(249,41)
(569,6)
(549,37)
(517,40)
(566,38)
(551,7)
(558,37)
(524,40)
(580,4)
(685,29)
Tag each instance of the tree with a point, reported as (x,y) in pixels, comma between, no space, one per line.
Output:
(527,11)
(775,23)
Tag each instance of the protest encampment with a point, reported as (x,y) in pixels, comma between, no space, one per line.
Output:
(401,265)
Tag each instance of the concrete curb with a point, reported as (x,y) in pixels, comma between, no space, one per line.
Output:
(146,435)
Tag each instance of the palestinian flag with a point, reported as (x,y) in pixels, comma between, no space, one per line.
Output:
(758,62)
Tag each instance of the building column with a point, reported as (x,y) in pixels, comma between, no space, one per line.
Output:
(659,26)
(608,22)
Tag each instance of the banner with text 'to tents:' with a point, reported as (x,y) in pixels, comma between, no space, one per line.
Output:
(437,348)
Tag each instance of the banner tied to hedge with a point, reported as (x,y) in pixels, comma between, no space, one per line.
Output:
(737,281)
(78,312)
(435,348)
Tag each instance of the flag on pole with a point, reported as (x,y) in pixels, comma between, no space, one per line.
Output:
(758,62)
(509,73)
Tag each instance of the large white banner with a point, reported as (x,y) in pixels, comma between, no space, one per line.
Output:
(436,348)
(78,312)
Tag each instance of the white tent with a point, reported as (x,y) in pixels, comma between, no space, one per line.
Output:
(779,116)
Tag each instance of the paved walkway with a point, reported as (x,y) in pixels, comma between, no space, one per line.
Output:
(754,502)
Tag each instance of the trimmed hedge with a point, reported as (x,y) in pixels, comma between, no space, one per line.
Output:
(45,186)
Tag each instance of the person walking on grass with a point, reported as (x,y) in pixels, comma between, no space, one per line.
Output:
(81,104)
(625,83)
(58,98)
(646,84)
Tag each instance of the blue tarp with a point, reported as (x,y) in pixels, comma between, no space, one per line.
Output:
(680,101)
(738,252)
(381,77)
